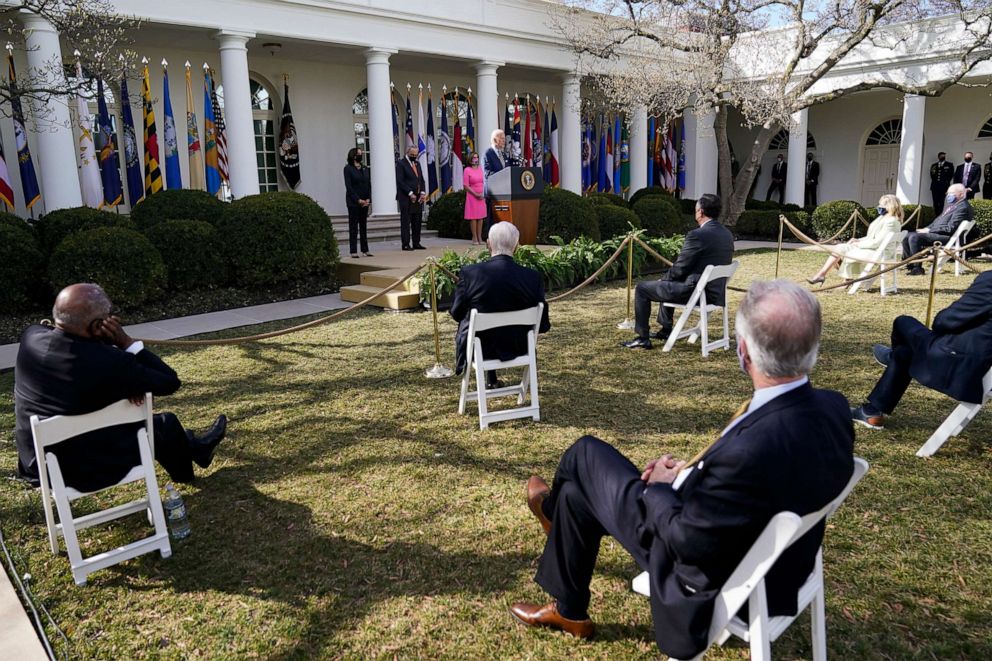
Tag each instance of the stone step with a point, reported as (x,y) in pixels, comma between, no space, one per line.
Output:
(394,300)
(386,277)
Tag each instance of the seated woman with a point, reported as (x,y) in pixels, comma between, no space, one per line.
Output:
(890,218)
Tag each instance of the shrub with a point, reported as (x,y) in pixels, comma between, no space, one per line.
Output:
(565,214)
(644,192)
(277,236)
(659,217)
(178,204)
(614,220)
(753,204)
(830,217)
(607,198)
(19,224)
(447,216)
(191,251)
(57,225)
(927,214)
(21,268)
(764,224)
(983,222)
(122,261)
(688,206)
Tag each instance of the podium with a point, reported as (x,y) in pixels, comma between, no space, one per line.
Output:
(516,194)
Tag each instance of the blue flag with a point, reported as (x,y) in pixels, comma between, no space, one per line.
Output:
(132,165)
(29,181)
(547,147)
(396,127)
(411,141)
(106,147)
(681,177)
(507,124)
(593,155)
(444,149)
(173,175)
(617,162)
(469,131)
(586,156)
(432,189)
(602,176)
(210,157)
(650,149)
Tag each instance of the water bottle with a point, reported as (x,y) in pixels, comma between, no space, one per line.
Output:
(175,513)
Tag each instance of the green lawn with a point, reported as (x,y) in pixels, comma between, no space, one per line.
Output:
(352,513)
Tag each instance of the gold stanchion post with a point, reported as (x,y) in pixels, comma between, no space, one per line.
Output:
(935,251)
(627,322)
(439,371)
(778,255)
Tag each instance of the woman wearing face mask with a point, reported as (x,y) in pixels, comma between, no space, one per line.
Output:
(475,202)
(890,217)
(358,197)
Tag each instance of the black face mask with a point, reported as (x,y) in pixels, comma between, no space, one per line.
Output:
(412,159)
(940,159)
(967,159)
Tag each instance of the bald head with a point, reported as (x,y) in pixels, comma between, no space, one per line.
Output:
(780,323)
(77,306)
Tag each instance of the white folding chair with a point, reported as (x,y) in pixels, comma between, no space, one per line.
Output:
(954,244)
(56,429)
(747,584)
(887,250)
(955,423)
(697,303)
(478,322)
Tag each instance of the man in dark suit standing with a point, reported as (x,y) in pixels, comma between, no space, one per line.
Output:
(987,183)
(941,177)
(968,174)
(411,193)
(951,358)
(87,362)
(497,285)
(710,243)
(688,524)
(492,162)
(812,180)
(779,172)
(956,210)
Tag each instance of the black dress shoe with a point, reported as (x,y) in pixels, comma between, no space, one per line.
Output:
(368,254)
(202,447)
(637,343)
(419,247)
(662,335)
(882,354)
(915,271)
(407,248)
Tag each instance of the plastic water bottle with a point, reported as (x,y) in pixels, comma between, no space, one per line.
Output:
(175,513)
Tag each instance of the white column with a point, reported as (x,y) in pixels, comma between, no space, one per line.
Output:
(487,109)
(56,148)
(570,144)
(908,186)
(381,157)
(701,154)
(795,176)
(638,149)
(237,112)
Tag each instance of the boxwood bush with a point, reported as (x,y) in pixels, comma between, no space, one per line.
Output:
(277,236)
(21,268)
(607,198)
(688,206)
(830,217)
(566,215)
(57,225)
(19,224)
(122,261)
(447,216)
(191,251)
(178,204)
(983,223)
(659,216)
(645,192)
(764,224)
(614,220)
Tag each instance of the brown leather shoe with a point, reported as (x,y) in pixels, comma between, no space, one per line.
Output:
(537,491)
(534,615)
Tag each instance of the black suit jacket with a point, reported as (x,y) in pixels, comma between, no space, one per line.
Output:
(813,172)
(496,285)
(974,176)
(357,185)
(408,181)
(793,454)
(959,351)
(710,244)
(952,216)
(60,374)
(779,171)
(491,164)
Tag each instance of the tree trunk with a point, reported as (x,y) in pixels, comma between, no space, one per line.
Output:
(734,190)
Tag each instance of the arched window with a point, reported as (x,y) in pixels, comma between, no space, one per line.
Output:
(781,141)
(986,130)
(888,132)
(263,114)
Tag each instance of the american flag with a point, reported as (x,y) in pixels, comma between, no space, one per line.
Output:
(221,130)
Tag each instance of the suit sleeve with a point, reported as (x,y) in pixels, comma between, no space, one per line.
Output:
(545,317)
(460,305)
(401,185)
(145,372)
(683,266)
(351,194)
(974,307)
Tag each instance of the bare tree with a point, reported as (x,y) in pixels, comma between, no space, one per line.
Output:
(766,58)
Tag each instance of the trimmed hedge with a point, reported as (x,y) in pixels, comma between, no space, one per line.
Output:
(659,216)
(447,217)
(983,222)
(55,226)
(21,268)
(122,261)
(830,217)
(191,251)
(614,220)
(645,192)
(566,215)
(277,236)
(764,224)
(178,204)
(607,198)
(16,222)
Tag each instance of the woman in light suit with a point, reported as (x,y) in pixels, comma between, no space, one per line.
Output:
(890,218)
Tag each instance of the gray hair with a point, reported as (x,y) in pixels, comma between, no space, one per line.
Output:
(495,134)
(957,189)
(503,239)
(78,305)
(781,323)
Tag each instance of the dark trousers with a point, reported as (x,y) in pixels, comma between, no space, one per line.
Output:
(486,226)
(411,215)
(659,291)
(776,186)
(938,199)
(809,199)
(172,447)
(596,492)
(908,337)
(917,241)
(358,225)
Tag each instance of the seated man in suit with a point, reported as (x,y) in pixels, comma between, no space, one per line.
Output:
(82,364)
(956,210)
(689,524)
(951,358)
(492,162)
(710,243)
(497,285)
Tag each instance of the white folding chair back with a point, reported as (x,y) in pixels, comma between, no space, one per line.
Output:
(954,244)
(56,429)
(527,388)
(697,303)
(747,584)
(955,423)
(887,250)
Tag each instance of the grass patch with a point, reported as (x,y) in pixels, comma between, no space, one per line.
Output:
(352,513)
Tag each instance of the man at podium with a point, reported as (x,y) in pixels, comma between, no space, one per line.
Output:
(492,162)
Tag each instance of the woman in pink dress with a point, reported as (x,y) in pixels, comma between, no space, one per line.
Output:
(475,201)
